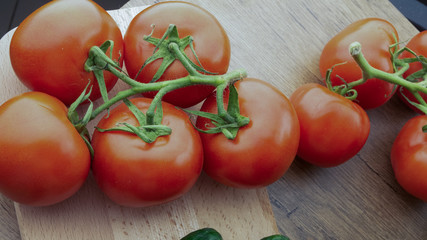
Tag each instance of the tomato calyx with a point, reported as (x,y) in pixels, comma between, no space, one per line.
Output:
(344,90)
(227,121)
(170,48)
(149,129)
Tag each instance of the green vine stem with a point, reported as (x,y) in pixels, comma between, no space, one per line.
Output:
(396,78)
(169,48)
(167,86)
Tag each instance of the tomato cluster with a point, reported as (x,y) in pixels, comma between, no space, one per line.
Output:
(347,134)
(145,153)
(51,163)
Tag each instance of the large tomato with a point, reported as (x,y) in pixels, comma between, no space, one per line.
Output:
(333,128)
(264,149)
(43,159)
(49,48)
(211,45)
(409,157)
(418,44)
(375,36)
(134,173)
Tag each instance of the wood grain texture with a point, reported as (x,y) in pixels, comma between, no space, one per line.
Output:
(279,42)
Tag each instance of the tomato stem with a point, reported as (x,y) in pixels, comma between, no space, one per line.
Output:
(169,48)
(396,78)
(167,86)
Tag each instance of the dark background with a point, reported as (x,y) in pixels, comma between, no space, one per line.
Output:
(12,12)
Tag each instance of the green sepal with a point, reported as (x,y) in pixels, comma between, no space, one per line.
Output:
(344,89)
(80,124)
(158,114)
(275,237)
(424,129)
(421,107)
(420,74)
(229,126)
(140,116)
(147,132)
(85,135)
(163,51)
(203,234)
(73,116)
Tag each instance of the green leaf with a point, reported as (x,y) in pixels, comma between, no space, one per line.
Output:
(276,237)
(203,234)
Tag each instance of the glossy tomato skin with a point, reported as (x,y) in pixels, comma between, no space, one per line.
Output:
(211,45)
(409,157)
(333,129)
(418,44)
(43,159)
(49,48)
(138,174)
(375,36)
(264,149)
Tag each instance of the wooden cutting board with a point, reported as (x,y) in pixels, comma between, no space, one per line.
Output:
(279,42)
(90,215)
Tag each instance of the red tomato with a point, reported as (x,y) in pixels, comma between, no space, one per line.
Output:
(409,157)
(134,173)
(418,44)
(264,149)
(211,45)
(43,159)
(333,128)
(49,48)
(375,36)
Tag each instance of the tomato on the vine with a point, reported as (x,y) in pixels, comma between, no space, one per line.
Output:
(43,159)
(264,149)
(418,44)
(211,45)
(49,48)
(375,35)
(333,128)
(409,157)
(134,173)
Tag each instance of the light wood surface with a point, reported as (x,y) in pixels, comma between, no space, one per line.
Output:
(279,42)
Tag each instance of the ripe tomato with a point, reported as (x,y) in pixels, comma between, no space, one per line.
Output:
(418,44)
(43,159)
(134,173)
(333,128)
(49,48)
(264,149)
(375,36)
(409,157)
(211,45)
